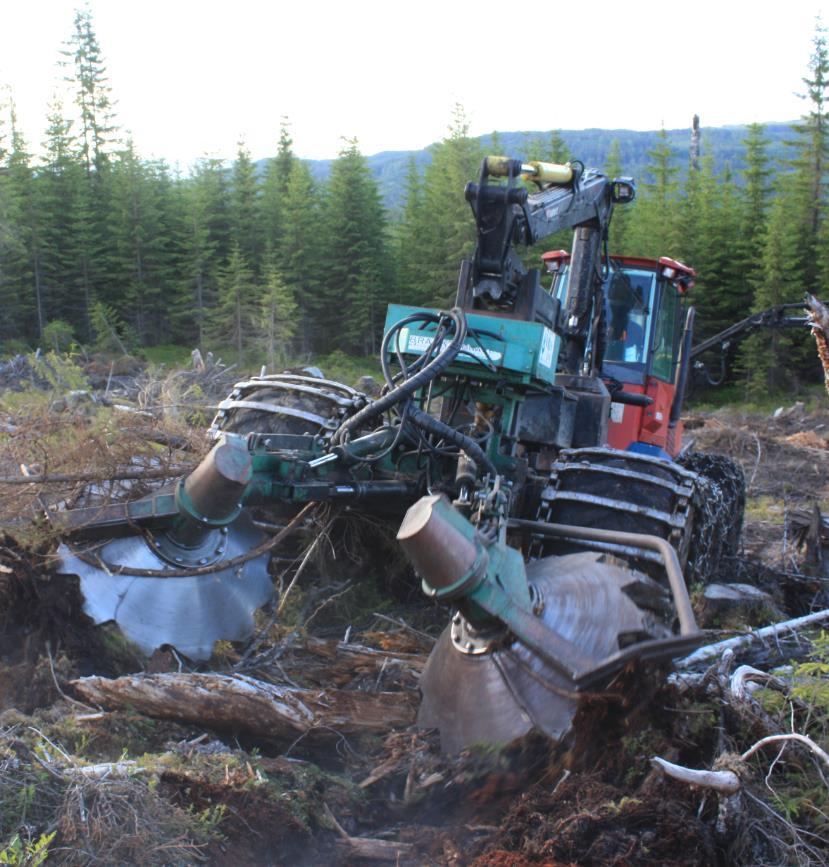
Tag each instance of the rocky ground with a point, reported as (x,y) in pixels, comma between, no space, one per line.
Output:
(84,780)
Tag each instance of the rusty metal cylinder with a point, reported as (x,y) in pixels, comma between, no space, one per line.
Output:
(441,545)
(213,491)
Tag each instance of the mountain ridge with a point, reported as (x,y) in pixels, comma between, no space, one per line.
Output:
(591,146)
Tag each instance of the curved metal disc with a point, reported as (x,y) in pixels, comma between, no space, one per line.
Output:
(191,613)
(501,695)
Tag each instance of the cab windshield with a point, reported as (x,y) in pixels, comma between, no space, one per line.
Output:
(628,296)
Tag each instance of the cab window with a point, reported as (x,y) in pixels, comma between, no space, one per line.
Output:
(666,335)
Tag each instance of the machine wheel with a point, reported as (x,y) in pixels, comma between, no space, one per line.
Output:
(623,491)
(719,505)
(287,404)
(696,503)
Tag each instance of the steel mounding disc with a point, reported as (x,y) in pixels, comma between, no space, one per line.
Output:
(190,613)
(500,695)
(468,699)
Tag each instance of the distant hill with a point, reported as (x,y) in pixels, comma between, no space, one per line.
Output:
(591,146)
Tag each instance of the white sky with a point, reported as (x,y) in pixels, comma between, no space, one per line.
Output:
(193,76)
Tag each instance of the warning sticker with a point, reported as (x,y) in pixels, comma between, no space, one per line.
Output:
(545,357)
(421,342)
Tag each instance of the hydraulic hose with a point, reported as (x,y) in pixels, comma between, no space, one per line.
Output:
(463,442)
(407,388)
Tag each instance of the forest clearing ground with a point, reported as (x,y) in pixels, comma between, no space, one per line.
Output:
(195,795)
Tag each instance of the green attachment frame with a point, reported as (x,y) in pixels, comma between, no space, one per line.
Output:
(496,347)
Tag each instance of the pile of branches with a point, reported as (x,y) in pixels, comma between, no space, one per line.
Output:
(770,776)
(50,462)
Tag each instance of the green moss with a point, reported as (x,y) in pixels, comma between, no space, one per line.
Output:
(614,808)
(298,788)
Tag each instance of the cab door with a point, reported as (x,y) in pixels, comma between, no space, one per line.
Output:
(656,434)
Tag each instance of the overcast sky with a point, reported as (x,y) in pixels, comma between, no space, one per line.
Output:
(192,77)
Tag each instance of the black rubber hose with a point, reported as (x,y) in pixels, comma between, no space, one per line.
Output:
(422,317)
(410,386)
(464,443)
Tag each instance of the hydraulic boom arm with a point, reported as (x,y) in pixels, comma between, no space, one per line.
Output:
(569,197)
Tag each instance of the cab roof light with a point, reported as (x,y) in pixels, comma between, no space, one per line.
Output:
(554,260)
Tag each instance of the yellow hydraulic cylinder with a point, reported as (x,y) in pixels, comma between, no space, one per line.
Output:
(550,173)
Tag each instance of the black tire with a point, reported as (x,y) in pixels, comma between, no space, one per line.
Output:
(244,421)
(622,491)
(288,404)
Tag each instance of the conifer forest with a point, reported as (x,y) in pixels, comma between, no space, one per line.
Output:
(264,261)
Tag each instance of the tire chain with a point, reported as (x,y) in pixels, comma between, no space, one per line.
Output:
(671,484)
(713,510)
(719,504)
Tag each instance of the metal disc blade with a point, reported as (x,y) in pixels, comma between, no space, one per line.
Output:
(468,699)
(190,613)
(501,695)
(584,600)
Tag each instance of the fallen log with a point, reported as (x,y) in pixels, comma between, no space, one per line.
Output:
(241,703)
(711,651)
(104,770)
(171,472)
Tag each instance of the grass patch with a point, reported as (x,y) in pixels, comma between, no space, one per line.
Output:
(169,354)
(765,509)
(347,368)
(736,396)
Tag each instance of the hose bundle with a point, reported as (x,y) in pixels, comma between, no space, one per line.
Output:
(415,376)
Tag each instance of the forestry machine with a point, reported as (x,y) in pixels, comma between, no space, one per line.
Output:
(528,443)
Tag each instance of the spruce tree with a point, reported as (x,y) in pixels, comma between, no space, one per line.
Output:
(233,321)
(350,315)
(58,179)
(274,190)
(92,92)
(756,191)
(204,237)
(92,237)
(277,318)
(653,225)
(449,227)
(748,247)
(557,150)
(245,226)
(300,257)
(22,272)
(767,356)
(711,221)
(813,135)
(409,251)
(792,255)
(85,246)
